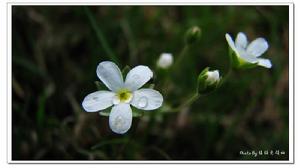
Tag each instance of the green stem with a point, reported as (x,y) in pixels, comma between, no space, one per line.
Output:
(229,70)
(228,73)
(130,38)
(100,35)
(226,76)
(188,102)
(181,55)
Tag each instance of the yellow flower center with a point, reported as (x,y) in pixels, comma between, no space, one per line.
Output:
(124,95)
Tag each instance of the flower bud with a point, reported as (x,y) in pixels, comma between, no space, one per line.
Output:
(208,81)
(165,60)
(193,35)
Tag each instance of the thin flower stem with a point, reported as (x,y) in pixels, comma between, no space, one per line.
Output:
(100,35)
(192,99)
(226,76)
(180,57)
(229,71)
(133,49)
(188,102)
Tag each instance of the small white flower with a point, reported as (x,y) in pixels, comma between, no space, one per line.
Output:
(249,53)
(212,77)
(122,95)
(165,60)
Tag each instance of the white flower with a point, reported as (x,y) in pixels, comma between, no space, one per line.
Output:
(122,95)
(212,77)
(249,53)
(165,60)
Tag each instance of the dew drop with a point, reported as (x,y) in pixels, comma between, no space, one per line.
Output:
(119,123)
(143,102)
(95,98)
(136,77)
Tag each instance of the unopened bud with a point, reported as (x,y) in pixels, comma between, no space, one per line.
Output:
(193,35)
(208,81)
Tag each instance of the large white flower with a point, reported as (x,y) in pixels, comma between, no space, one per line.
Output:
(246,54)
(122,95)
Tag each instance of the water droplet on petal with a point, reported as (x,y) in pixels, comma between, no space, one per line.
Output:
(95,98)
(119,123)
(136,77)
(142,102)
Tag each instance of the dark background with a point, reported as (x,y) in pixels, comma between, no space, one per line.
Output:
(56,50)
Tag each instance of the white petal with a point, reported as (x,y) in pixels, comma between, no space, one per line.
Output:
(241,40)
(213,76)
(109,73)
(120,118)
(230,42)
(247,57)
(98,101)
(137,77)
(257,47)
(264,62)
(147,99)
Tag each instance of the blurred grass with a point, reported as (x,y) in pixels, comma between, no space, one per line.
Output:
(55,53)
(100,35)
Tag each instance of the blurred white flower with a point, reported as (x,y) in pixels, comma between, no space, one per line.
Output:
(245,53)
(165,60)
(122,95)
(212,77)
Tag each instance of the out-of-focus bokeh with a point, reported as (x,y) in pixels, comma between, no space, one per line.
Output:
(55,52)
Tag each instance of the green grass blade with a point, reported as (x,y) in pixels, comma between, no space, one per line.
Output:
(100,35)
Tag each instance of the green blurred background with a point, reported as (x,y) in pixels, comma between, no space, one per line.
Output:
(56,50)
